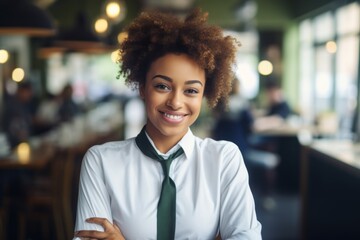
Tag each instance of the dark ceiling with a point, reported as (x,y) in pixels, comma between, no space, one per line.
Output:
(274,14)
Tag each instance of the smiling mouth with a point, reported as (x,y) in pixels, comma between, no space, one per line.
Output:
(173,116)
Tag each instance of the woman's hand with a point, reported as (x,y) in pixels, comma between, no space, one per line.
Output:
(111,231)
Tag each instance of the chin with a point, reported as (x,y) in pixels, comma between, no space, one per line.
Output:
(172,131)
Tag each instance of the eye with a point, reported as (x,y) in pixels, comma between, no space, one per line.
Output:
(161,87)
(191,91)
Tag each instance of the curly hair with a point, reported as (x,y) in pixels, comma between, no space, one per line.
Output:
(154,34)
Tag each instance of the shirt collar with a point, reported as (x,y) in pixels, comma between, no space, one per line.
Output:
(187,144)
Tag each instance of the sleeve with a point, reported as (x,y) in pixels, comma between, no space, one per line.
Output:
(93,198)
(237,212)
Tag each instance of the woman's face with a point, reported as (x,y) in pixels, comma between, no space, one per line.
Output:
(173,95)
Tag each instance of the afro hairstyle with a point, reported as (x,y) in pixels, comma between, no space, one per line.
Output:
(154,34)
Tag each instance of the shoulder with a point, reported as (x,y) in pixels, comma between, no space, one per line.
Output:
(224,156)
(217,147)
(109,150)
(112,146)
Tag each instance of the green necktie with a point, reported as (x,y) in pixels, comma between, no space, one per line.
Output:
(166,213)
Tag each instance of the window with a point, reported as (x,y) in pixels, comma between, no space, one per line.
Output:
(329,63)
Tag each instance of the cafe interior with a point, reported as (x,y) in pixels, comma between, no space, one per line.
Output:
(61,93)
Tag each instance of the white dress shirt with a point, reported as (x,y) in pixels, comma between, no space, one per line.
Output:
(120,183)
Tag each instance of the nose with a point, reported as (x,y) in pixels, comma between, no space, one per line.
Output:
(175,100)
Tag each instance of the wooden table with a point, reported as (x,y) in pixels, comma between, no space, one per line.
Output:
(36,159)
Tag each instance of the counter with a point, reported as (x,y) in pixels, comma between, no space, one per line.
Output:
(330,190)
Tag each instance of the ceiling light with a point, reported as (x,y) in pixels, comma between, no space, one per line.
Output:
(122,36)
(265,67)
(80,36)
(18,74)
(101,25)
(4,56)
(113,9)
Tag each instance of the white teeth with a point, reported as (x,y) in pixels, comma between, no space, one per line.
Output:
(176,117)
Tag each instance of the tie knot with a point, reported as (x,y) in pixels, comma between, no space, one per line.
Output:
(145,146)
(165,164)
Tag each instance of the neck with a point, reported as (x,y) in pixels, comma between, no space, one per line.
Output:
(163,143)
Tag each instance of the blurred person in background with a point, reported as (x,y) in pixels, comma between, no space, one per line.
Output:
(234,120)
(278,110)
(20,114)
(278,106)
(276,114)
(67,109)
(47,112)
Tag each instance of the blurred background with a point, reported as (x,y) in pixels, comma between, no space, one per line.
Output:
(294,110)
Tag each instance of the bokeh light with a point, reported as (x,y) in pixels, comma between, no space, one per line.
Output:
(4,56)
(122,36)
(265,67)
(113,9)
(18,74)
(23,152)
(331,47)
(101,25)
(115,56)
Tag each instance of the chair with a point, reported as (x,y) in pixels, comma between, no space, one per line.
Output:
(49,197)
(68,196)
(2,223)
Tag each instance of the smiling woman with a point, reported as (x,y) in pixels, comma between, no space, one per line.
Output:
(167,183)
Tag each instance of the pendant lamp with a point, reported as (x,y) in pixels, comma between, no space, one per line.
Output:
(23,17)
(80,36)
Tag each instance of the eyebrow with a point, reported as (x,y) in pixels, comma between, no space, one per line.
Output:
(166,78)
